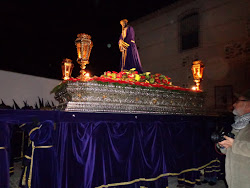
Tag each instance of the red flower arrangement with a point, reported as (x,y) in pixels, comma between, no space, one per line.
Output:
(132,77)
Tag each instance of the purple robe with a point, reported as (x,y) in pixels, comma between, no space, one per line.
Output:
(44,162)
(23,183)
(4,154)
(132,58)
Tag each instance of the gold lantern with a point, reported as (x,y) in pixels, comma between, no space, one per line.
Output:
(197,70)
(67,67)
(83,45)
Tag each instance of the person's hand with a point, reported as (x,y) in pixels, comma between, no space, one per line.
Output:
(228,143)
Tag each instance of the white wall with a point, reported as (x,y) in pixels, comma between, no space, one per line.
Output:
(22,87)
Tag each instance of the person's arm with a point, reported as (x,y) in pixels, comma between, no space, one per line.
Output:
(241,147)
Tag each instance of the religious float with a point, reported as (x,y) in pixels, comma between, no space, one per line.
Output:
(122,129)
(126,91)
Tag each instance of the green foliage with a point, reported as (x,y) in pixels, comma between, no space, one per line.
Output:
(59,87)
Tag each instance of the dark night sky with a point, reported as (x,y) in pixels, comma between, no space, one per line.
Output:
(36,36)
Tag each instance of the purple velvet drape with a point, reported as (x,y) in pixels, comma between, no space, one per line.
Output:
(124,151)
(110,152)
(119,150)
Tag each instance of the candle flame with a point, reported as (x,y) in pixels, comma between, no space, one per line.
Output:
(194,88)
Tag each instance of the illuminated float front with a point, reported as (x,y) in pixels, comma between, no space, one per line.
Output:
(124,92)
(119,149)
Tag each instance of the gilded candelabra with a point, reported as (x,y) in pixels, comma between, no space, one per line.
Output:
(83,46)
(197,70)
(67,67)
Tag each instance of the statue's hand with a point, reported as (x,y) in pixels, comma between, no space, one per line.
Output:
(120,42)
(122,45)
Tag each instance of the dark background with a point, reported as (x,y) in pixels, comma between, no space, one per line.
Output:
(37,35)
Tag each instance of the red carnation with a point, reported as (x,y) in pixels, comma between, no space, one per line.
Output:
(119,75)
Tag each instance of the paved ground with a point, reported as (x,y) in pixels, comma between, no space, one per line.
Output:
(14,180)
(172,183)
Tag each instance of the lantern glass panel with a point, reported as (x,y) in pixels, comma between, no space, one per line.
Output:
(78,47)
(63,71)
(201,74)
(85,50)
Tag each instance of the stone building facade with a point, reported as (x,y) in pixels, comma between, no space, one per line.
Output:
(215,32)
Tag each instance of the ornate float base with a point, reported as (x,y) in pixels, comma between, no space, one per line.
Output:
(110,98)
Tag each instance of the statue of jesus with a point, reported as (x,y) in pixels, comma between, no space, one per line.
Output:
(130,56)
